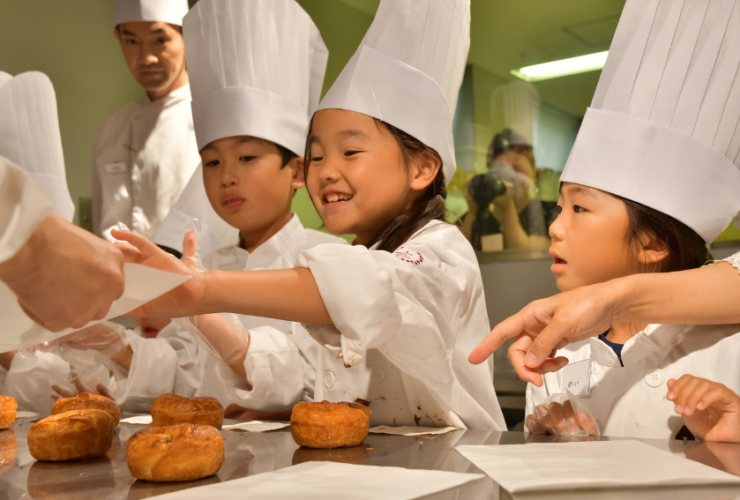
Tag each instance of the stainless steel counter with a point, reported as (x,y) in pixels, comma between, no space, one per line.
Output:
(249,453)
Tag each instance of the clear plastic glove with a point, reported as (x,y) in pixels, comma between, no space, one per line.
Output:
(91,353)
(107,338)
(223,335)
(562,415)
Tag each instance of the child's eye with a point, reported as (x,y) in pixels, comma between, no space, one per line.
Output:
(212,163)
(578,209)
(129,41)
(161,41)
(247,158)
(316,158)
(350,153)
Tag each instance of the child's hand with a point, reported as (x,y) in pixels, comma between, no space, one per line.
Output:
(710,410)
(559,420)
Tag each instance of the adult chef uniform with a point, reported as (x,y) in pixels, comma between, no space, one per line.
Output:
(145,153)
(247,81)
(662,131)
(30,136)
(404,321)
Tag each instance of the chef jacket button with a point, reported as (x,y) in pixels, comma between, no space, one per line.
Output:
(383,275)
(655,378)
(377,374)
(329,380)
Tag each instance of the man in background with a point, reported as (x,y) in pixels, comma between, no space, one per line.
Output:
(145,154)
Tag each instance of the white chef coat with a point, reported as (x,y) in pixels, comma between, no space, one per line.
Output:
(144,156)
(408,320)
(630,400)
(22,208)
(279,362)
(29,380)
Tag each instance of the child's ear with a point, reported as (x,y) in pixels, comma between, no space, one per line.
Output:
(653,252)
(424,168)
(297,165)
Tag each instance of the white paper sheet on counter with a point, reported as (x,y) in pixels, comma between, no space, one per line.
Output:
(560,466)
(137,420)
(331,481)
(410,430)
(256,426)
(142,285)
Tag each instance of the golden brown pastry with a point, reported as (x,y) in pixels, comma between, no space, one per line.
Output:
(171,409)
(183,452)
(8,407)
(71,435)
(87,401)
(329,425)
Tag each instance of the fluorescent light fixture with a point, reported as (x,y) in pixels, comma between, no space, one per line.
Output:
(564,67)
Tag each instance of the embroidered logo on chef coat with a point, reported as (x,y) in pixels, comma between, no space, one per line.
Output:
(409,256)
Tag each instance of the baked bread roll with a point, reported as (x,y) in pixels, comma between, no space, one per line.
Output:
(87,401)
(329,425)
(183,452)
(171,409)
(8,407)
(71,435)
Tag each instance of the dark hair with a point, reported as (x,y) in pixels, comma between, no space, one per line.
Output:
(430,205)
(286,153)
(686,249)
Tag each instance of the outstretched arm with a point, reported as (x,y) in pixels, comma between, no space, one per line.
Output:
(709,295)
(286,294)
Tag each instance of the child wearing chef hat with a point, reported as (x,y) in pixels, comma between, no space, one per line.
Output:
(653,177)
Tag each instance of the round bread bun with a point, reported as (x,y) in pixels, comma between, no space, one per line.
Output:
(71,435)
(171,409)
(183,452)
(87,401)
(329,425)
(8,407)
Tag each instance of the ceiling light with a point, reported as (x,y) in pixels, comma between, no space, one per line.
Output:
(564,67)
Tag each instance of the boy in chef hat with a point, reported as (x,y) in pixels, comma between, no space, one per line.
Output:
(256,69)
(653,176)
(395,314)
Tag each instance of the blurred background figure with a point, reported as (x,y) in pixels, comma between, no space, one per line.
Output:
(505,205)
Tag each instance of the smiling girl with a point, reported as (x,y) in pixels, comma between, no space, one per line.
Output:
(397,312)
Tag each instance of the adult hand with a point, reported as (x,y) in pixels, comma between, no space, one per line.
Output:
(547,325)
(183,301)
(64,276)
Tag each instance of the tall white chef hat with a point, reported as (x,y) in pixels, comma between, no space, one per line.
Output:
(662,129)
(256,68)
(30,137)
(193,203)
(162,11)
(408,70)
(516,106)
